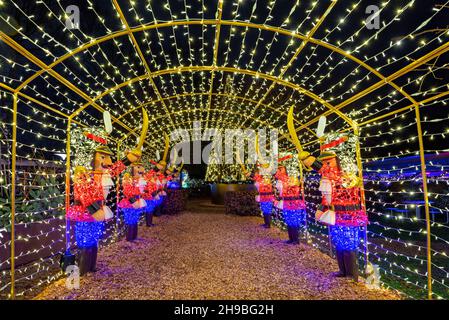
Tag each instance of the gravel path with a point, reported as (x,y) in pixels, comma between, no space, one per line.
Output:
(205,254)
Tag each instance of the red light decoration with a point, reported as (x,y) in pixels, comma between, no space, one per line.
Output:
(334,143)
(130,190)
(117,168)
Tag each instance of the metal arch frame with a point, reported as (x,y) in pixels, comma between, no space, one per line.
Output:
(389,80)
(384,80)
(13,195)
(222,69)
(43,105)
(130,31)
(422,104)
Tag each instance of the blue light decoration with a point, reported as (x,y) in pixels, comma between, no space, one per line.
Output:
(345,238)
(87,234)
(131,215)
(266,207)
(160,200)
(294,218)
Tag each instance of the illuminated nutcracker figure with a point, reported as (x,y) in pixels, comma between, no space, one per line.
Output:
(93,190)
(290,201)
(133,203)
(262,181)
(341,206)
(165,178)
(160,181)
(150,196)
(168,175)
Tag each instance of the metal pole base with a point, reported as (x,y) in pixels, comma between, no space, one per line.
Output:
(85,260)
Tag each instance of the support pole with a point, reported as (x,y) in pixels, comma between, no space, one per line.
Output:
(426,201)
(13,195)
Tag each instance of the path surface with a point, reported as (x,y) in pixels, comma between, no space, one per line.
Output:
(205,254)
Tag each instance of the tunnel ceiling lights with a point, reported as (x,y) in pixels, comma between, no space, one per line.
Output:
(306,30)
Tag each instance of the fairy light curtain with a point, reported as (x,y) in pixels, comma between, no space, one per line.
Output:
(234,63)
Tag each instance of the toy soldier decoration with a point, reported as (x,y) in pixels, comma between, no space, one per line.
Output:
(173,174)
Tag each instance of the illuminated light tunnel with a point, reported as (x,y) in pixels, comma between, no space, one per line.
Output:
(378,74)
